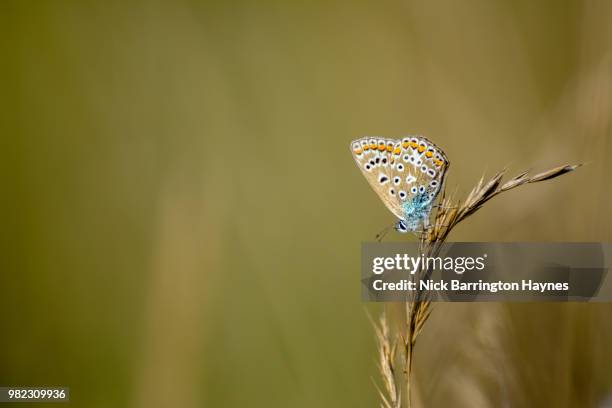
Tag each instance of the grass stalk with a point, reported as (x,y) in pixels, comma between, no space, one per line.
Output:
(449,213)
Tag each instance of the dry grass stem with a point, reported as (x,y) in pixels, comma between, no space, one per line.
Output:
(387,347)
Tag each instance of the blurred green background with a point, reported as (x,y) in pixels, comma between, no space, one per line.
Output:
(182,217)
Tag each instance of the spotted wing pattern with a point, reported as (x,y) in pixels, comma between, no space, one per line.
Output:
(402,172)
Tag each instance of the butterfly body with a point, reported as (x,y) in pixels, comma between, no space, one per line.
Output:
(406,174)
(416,213)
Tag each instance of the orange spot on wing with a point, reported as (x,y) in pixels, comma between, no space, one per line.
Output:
(389,148)
(397,151)
(358,151)
(405,145)
(381,147)
(414,145)
(421,148)
(429,154)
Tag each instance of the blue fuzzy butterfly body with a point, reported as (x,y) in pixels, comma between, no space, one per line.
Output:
(416,213)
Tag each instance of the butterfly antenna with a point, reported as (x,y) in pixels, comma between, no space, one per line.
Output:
(381,234)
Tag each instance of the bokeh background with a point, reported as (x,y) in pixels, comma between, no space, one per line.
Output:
(182,218)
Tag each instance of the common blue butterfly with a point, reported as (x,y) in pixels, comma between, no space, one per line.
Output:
(406,174)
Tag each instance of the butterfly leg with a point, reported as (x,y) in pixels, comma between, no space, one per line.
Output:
(446,207)
(421,233)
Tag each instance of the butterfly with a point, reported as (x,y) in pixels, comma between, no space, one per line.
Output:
(406,174)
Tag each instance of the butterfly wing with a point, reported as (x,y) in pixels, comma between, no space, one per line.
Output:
(401,171)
